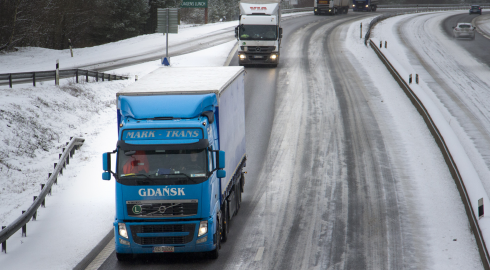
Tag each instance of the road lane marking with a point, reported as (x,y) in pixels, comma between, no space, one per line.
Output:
(260,252)
(103,255)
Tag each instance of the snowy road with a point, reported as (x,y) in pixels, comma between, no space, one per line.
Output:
(342,171)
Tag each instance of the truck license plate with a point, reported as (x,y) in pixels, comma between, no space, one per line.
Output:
(257,56)
(163,249)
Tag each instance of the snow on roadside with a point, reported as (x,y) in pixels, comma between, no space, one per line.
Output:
(435,211)
(36,122)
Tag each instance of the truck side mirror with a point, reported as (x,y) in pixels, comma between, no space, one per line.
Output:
(236,32)
(221,159)
(280,32)
(106,166)
(221,174)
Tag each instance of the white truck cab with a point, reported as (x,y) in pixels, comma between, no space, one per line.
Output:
(259,34)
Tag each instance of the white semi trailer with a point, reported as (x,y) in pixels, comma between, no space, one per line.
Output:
(259,33)
(331,7)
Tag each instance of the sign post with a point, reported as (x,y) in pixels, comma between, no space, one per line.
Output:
(168,22)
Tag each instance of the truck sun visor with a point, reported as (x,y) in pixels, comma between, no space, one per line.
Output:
(201,144)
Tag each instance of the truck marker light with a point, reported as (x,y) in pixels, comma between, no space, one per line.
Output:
(122,230)
(203,228)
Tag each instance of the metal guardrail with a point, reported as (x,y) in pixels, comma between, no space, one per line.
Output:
(292,10)
(26,216)
(11,77)
(482,5)
(453,168)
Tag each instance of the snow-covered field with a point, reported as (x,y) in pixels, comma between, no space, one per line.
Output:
(37,121)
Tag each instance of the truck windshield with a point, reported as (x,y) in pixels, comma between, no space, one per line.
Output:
(258,32)
(162,167)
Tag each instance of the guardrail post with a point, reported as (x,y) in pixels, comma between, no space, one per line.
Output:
(103,76)
(24,228)
(386,44)
(86,78)
(96,76)
(34,217)
(10,80)
(4,244)
(57,74)
(34,79)
(76,73)
(136,76)
(480,208)
(380,44)
(410,79)
(361,31)
(417,78)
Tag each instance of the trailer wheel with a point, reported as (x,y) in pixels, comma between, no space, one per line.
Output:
(124,256)
(226,220)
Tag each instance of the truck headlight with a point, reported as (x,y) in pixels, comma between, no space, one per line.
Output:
(353,5)
(203,228)
(122,230)
(242,56)
(273,56)
(366,5)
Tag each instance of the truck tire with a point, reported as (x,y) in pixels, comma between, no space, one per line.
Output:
(226,224)
(214,254)
(346,10)
(124,256)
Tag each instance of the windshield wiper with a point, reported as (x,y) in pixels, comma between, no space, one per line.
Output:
(188,177)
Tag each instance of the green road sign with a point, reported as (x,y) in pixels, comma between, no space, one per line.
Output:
(194,4)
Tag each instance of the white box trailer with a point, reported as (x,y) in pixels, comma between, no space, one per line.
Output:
(331,7)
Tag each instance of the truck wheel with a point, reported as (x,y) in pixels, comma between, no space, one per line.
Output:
(226,225)
(124,256)
(346,10)
(214,254)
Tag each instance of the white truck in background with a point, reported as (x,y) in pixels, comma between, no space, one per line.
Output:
(259,32)
(330,7)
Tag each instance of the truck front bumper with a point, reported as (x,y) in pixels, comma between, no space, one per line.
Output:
(182,236)
(253,58)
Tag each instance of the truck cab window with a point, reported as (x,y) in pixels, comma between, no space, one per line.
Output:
(163,165)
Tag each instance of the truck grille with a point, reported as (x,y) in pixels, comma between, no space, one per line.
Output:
(135,229)
(263,49)
(161,208)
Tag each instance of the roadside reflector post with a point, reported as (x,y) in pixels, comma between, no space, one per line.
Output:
(480,208)
(386,44)
(57,75)
(34,79)
(361,32)
(135,77)
(417,78)
(4,244)
(24,228)
(410,79)
(380,44)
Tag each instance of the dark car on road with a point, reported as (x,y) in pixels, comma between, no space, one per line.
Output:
(475,9)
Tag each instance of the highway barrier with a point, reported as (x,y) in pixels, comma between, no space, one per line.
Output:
(452,166)
(23,77)
(31,213)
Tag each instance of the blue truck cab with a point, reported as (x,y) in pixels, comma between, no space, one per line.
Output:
(179,160)
(364,5)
